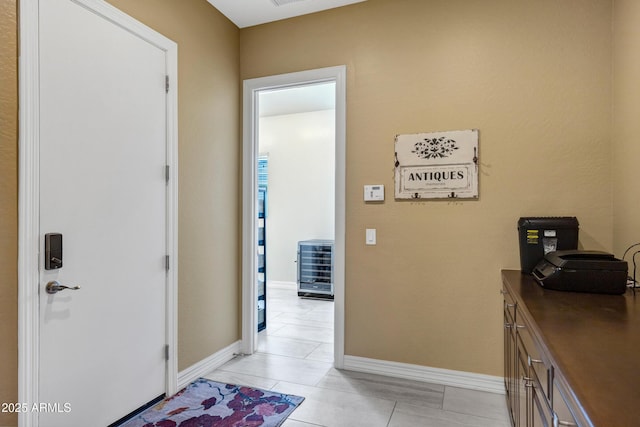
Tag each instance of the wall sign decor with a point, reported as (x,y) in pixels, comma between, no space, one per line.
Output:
(437,165)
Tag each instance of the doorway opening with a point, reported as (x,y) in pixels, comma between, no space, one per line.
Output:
(300,146)
(296,215)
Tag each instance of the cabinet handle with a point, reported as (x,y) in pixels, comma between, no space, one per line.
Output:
(508,325)
(506,304)
(532,361)
(557,422)
(520,326)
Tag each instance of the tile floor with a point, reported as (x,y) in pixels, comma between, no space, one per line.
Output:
(295,356)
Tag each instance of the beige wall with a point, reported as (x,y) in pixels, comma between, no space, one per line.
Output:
(534,77)
(8,208)
(209,155)
(626,129)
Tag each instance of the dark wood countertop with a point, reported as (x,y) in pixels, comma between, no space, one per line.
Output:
(594,341)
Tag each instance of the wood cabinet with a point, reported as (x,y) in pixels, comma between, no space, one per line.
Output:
(536,395)
(528,371)
(571,359)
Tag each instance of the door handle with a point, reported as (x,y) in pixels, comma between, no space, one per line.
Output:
(53,287)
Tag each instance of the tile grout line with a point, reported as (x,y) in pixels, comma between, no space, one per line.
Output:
(392,412)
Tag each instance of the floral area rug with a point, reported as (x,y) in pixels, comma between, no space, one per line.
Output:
(205,403)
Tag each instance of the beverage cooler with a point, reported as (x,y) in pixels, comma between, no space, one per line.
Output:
(315,268)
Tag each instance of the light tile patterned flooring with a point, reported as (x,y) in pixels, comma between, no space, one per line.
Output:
(295,356)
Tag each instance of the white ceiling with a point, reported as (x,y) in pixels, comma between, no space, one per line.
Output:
(300,99)
(246,13)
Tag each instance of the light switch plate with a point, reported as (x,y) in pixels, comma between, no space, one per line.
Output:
(370,238)
(374,193)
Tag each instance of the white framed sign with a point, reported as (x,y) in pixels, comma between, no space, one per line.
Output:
(437,165)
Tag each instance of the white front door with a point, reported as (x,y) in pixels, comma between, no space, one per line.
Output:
(103,151)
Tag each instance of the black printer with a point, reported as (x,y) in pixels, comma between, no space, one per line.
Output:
(582,271)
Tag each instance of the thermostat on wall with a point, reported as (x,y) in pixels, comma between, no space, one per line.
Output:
(374,193)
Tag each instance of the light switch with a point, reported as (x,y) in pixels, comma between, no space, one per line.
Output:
(370,236)
(374,193)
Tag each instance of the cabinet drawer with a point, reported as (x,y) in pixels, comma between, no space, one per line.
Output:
(562,416)
(509,303)
(541,369)
(541,414)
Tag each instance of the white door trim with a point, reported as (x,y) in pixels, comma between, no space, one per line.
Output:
(251,89)
(29,195)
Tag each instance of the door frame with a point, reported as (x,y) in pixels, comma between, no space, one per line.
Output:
(251,90)
(29,196)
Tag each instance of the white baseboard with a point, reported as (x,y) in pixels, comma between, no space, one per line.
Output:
(277,283)
(488,383)
(207,365)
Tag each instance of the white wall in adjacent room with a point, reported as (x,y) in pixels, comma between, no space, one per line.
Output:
(301,152)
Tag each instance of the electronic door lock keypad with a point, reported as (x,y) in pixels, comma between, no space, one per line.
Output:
(52,251)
